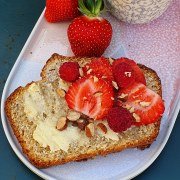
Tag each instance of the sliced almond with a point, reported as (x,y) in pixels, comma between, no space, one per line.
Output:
(111,61)
(144,104)
(135,96)
(84,98)
(131,110)
(73,115)
(63,85)
(127,74)
(89,130)
(61,92)
(81,72)
(98,94)
(136,117)
(128,107)
(95,79)
(123,97)
(61,124)
(102,128)
(115,85)
(89,71)
(82,123)
(104,77)
(137,101)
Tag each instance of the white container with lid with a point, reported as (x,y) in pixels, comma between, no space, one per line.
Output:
(137,11)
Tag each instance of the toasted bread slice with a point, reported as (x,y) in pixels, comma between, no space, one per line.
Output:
(42,157)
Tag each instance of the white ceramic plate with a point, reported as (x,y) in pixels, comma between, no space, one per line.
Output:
(47,39)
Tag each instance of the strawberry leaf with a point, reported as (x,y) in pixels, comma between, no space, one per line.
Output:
(91,8)
(90,5)
(98,6)
(82,8)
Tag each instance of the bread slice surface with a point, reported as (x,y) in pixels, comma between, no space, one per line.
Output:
(43,157)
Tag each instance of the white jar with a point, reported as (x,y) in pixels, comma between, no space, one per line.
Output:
(137,11)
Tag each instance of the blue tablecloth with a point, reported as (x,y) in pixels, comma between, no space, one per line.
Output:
(17,18)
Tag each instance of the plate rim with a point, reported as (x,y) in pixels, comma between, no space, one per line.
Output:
(173,115)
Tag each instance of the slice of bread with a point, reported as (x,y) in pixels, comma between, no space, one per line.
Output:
(23,127)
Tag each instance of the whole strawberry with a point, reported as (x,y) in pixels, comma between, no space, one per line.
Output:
(61,10)
(89,34)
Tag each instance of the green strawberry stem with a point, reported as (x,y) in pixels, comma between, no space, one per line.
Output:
(91,8)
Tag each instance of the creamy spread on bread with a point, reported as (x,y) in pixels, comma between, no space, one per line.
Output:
(45,111)
(47,135)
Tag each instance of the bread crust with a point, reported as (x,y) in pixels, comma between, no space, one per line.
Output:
(41,163)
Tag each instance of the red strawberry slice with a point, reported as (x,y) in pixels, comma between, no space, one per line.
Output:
(147,106)
(139,75)
(90,97)
(100,67)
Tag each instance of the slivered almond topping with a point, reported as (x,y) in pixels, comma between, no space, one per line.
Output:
(102,128)
(61,92)
(82,123)
(128,74)
(104,77)
(145,104)
(84,98)
(135,96)
(81,72)
(89,130)
(63,85)
(73,115)
(127,106)
(137,101)
(111,61)
(98,94)
(136,117)
(131,110)
(115,85)
(95,79)
(89,71)
(122,96)
(61,124)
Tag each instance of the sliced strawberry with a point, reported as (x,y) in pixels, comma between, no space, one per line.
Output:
(92,98)
(139,75)
(100,67)
(146,106)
